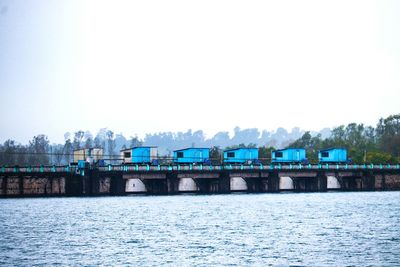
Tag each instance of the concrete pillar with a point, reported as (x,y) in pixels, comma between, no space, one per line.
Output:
(94,182)
(4,185)
(74,185)
(273,182)
(21,185)
(310,184)
(321,182)
(368,181)
(224,185)
(379,181)
(350,183)
(173,183)
(156,186)
(204,185)
(254,185)
(117,185)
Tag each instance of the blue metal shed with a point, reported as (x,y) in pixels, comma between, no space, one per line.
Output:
(137,155)
(241,155)
(289,155)
(192,155)
(333,155)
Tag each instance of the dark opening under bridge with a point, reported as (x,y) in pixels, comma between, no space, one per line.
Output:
(175,179)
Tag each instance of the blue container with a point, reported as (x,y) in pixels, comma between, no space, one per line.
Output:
(333,155)
(289,155)
(192,155)
(139,155)
(82,164)
(241,155)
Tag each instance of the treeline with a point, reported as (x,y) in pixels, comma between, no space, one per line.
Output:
(364,143)
(12,153)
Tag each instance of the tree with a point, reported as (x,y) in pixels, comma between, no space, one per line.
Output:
(388,135)
(216,155)
(380,157)
(110,144)
(38,148)
(264,154)
(57,154)
(67,149)
(8,153)
(135,141)
(311,144)
(78,136)
(88,140)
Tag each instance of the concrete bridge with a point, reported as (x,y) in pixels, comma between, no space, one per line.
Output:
(145,179)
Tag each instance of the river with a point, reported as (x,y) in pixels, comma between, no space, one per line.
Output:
(306,229)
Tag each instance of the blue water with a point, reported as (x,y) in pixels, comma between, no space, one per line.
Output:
(321,229)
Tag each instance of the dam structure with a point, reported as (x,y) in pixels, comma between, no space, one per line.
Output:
(202,179)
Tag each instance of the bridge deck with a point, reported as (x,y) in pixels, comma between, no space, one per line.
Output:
(203,168)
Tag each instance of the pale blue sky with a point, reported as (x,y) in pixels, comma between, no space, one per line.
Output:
(150,66)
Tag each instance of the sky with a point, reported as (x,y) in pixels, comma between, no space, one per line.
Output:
(140,67)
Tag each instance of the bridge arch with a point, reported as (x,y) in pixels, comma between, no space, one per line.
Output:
(238,184)
(187,185)
(333,183)
(135,185)
(286,183)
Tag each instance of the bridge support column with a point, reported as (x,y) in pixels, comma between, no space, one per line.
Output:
(254,185)
(21,185)
(273,182)
(321,182)
(117,185)
(156,186)
(224,186)
(172,184)
(203,184)
(368,181)
(74,185)
(4,185)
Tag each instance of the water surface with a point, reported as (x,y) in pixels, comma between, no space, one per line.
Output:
(316,229)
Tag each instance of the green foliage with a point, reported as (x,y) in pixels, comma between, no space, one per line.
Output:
(388,135)
(379,157)
(251,145)
(264,154)
(39,148)
(311,144)
(216,155)
(363,144)
(36,153)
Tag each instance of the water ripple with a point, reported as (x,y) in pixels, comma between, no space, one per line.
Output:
(341,229)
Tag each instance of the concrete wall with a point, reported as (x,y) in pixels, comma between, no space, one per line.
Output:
(135,186)
(286,183)
(118,183)
(31,186)
(104,185)
(36,186)
(13,186)
(392,182)
(238,184)
(332,183)
(187,185)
